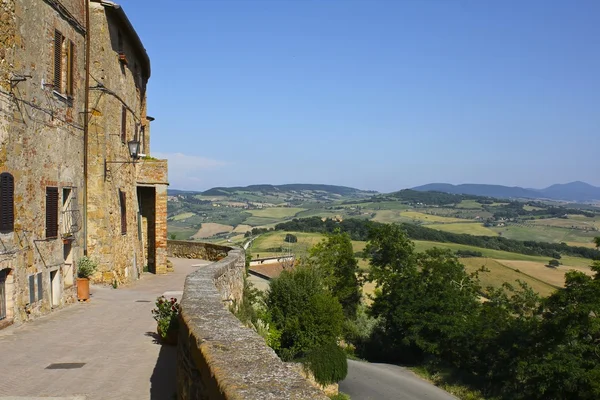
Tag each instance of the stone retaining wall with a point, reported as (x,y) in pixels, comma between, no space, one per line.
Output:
(196,250)
(218,357)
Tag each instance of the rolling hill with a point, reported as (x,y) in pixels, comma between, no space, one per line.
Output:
(574,191)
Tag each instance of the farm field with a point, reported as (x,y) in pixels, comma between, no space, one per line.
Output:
(546,234)
(422,245)
(554,276)
(418,216)
(472,228)
(390,216)
(209,229)
(276,212)
(272,243)
(242,228)
(500,273)
(474,204)
(182,216)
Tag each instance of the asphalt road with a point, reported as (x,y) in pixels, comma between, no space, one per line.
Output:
(369,381)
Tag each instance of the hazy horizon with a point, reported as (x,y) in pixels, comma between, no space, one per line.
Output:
(366,189)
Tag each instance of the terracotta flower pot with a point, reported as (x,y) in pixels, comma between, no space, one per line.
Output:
(83,288)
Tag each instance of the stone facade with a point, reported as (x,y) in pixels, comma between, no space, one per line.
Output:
(218,357)
(119,73)
(41,147)
(42,154)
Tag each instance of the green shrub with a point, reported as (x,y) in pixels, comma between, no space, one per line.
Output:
(86,267)
(327,363)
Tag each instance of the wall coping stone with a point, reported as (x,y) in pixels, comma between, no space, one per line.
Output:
(240,362)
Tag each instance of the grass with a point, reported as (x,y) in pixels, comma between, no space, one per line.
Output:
(500,273)
(472,228)
(182,216)
(276,212)
(469,204)
(210,229)
(389,216)
(414,215)
(422,245)
(546,234)
(264,244)
(261,221)
(539,270)
(446,380)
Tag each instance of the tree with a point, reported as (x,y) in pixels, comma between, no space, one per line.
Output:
(305,313)
(425,300)
(334,258)
(289,238)
(554,263)
(597,242)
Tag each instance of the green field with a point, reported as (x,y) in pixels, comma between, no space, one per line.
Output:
(390,216)
(272,243)
(469,204)
(276,212)
(182,216)
(418,216)
(546,234)
(422,245)
(472,228)
(260,221)
(500,273)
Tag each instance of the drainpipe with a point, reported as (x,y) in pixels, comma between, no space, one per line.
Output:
(86,119)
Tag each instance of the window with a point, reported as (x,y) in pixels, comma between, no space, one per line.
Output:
(36,282)
(123,203)
(40,287)
(123,124)
(7,216)
(58,45)
(31,289)
(2,294)
(64,51)
(51,212)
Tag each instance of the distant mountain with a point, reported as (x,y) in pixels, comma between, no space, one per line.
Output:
(574,191)
(294,187)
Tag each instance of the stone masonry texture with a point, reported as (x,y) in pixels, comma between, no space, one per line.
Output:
(218,357)
(42,146)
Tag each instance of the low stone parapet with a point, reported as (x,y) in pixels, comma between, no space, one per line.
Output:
(217,356)
(196,250)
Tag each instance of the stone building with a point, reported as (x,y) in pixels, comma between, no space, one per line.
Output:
(123,197)
(65,190)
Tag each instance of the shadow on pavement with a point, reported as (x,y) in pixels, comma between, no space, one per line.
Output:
(163,380)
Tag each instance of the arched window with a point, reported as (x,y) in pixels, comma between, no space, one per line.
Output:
(7,214)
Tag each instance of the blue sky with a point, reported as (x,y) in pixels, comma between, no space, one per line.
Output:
(373,94)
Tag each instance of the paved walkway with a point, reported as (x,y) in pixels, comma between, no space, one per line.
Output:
(113,336)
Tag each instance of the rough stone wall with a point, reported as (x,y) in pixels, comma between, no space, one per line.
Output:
(196,250)
(114,85)
(41,145)
(218,357)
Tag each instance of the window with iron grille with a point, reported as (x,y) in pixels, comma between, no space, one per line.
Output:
(123,203)
(7,189)
(123,124)
(51,212)
(2,295)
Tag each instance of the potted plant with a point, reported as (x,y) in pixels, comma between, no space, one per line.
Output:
(85,269)
(166,315)
(67,238)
